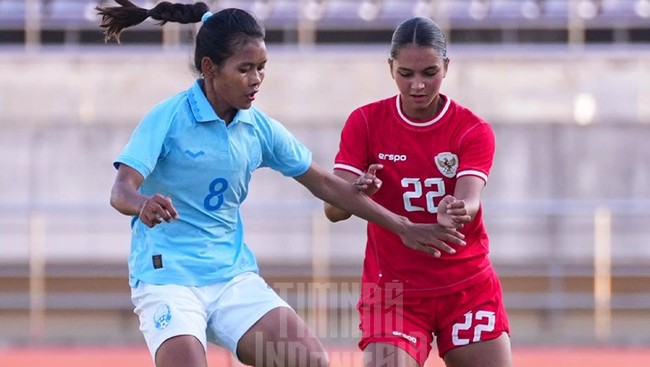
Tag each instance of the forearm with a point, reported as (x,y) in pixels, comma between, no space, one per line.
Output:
(126,200)
(346,198)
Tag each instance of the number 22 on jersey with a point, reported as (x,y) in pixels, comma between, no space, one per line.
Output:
(434,188)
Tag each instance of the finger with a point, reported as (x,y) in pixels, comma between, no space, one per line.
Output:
(166,209)
(447,200)
(455,240)
(456,204)
(457,212)
(361,186)
(147,222)
(169,207)
(158,218)
(444,247)
(372,169)
(429,250)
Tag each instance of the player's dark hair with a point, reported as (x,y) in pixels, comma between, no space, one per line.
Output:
(218,37)
(420,31)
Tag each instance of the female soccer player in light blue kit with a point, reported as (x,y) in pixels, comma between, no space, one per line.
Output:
(183,175)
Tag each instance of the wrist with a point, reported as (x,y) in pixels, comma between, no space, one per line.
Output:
(141,205)
(400,225)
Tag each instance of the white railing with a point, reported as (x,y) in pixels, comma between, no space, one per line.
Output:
(39,236)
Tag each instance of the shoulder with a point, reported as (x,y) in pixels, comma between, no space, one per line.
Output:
(379,106)
(374,111)
(265,126)
(465,115)
(170,107)
(261,120)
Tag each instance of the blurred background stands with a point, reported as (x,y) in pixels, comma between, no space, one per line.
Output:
(73,22)
(564,83)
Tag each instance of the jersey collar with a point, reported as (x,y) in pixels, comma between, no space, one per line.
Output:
(203,111)
(424,123)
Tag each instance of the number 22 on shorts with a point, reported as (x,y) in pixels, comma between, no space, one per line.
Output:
(479,327)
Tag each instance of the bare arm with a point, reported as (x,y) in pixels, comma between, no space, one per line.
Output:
(458,210)
(341,194)
(126,199)
(368,183)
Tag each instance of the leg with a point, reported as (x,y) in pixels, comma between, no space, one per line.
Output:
(181,351)
(387,355)
(172,321)
(281,338)
(490,353)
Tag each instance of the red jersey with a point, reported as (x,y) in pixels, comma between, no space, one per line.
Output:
(422,161)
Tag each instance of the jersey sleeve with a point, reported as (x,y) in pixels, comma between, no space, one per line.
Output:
(476,148)
(353,154)
(281,151)
(147,143)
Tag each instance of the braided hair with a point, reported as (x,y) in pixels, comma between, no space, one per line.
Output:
(218,38)
(116,18)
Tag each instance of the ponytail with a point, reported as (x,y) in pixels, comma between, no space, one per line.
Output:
(116,18)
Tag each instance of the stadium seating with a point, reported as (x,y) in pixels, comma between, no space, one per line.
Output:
(461,17)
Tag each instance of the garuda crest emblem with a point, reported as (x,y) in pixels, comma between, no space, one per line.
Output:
(447,163)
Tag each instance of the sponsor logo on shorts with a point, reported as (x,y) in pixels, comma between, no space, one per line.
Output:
(410,338)
(162,317)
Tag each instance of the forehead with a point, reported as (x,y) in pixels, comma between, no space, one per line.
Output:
(414,56)
(248,51)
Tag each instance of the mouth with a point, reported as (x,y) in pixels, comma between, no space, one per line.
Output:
(418,97)
(251,96)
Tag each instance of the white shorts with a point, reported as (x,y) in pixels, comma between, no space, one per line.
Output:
(220,313)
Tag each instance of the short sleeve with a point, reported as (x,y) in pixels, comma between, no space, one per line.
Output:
(476,151)
(146,144)
(353,154)
(281,151)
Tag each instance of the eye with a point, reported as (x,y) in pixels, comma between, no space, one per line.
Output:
(405,74)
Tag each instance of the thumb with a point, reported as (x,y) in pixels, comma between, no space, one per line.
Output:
(372,169)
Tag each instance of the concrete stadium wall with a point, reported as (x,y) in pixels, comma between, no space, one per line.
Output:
(116,85)
(65,115)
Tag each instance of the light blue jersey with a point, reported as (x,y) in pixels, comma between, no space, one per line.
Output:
(186,152)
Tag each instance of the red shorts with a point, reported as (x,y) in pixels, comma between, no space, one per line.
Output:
(389,315)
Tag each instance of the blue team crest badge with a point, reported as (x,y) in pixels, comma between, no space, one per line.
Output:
(162,317)
(447,164)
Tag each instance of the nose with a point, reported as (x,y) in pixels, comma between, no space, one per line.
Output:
(417,85)
(256,78)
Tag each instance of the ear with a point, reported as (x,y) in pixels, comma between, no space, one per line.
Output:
(390,67)
(446,63)
(207,66)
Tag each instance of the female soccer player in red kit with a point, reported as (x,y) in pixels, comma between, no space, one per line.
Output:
(424,156)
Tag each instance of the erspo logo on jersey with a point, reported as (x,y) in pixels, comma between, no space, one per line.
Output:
(392,157)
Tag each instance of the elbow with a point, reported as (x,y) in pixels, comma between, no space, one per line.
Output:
(332,218)
(114,202)
(334,214)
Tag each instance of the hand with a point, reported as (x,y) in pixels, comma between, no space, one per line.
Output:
(431,238)
(452,213)
(156,209)
(368,183)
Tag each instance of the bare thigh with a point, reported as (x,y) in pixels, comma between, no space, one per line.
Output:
(387,355)
(490,353)
(281,338)
(181,351)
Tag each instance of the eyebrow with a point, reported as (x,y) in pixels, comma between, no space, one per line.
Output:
(433,67)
